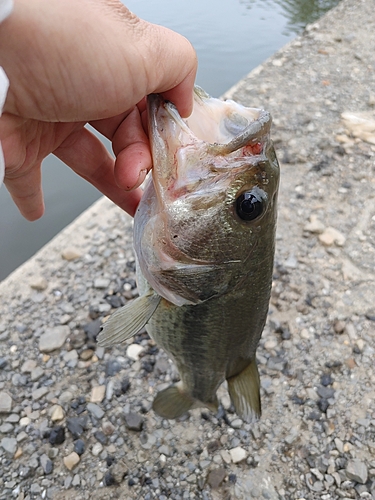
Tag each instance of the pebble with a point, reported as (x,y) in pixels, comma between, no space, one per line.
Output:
(237,423)
(6,428)
(216,477)
(66,397)
(102,283)
(112,367)
(92,329)
(119,471)
(330,236)
(108,428)
(315,226)
(57,435)
(53,338)
(133,421)
(76,426)
(237,454)
(57,413)
(5,402)
(46,464)
(97,394)
(71,254)
(9,444)
(76,480)
(86,354)
(38,283)
(357,471)
(101,437)
(97,449)
(36,374)
(79,447)
(226,456)
(71,460)
(39,393)
(147,441)
(133,351)
(95,410)
(164,449)
(28,366)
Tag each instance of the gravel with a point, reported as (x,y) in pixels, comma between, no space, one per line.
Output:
(76,420)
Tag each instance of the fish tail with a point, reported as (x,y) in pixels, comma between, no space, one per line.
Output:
(244,393)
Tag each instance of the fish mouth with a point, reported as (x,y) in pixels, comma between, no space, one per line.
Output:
(236,130)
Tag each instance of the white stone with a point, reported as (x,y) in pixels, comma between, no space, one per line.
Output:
(25,421)
(102,283)
(360,125)
(133,351)
(315,226)
(71,254)
(38,283)
(330,236)
(237,454)
(97,449)
(270,343)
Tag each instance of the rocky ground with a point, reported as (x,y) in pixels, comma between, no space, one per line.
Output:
(75,419)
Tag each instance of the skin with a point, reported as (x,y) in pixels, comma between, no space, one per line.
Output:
(89,62)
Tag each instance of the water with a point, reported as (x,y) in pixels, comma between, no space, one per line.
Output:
(231,38)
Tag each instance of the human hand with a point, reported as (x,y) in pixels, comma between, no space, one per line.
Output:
(71,63)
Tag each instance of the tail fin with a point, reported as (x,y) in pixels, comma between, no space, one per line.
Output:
(244,393)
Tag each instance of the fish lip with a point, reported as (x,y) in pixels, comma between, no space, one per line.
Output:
(253,133)
(257,131)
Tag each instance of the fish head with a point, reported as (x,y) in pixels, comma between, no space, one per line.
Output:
(207,218)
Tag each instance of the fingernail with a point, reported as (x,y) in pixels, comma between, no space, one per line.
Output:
(142,176)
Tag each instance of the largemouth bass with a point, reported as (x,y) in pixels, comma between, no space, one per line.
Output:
(204,237)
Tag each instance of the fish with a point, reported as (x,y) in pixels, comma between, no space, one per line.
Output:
(204,239)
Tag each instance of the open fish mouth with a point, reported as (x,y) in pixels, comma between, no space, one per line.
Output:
(225,127)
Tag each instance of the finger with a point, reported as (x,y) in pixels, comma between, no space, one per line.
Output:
(182,95)
(26,191)
(174,76)
(88,157)
(131,147)
(108,126)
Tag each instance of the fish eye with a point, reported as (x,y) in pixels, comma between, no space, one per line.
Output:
(250,205)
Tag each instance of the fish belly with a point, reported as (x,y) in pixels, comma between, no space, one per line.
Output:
(209,342)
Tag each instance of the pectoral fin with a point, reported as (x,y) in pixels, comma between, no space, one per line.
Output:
(244,392)
(128,320)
